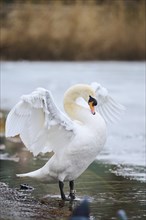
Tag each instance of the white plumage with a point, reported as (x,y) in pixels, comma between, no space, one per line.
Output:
(75,139)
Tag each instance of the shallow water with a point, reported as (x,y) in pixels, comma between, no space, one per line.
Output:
(106,192)
(117,179)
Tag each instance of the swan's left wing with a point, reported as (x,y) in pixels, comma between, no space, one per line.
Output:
(41,125)
(109,109)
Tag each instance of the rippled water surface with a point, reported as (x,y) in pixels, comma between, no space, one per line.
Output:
(106,192)
(116,180)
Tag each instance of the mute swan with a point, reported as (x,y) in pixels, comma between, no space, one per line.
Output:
(75,139)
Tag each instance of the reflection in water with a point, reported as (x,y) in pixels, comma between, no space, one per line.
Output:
(106,191)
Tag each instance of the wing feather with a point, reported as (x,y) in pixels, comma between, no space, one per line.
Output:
(109,109)
(116,104)
(111,113)
(16,119)
(107,115)
(38,120)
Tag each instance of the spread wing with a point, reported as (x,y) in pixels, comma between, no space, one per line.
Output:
(109,109)
(41,125)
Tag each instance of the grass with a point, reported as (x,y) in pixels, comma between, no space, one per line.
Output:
(58,31)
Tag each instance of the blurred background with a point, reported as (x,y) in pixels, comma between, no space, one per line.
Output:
(55,44)
(72,29)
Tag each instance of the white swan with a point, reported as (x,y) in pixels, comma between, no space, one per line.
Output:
(75,140)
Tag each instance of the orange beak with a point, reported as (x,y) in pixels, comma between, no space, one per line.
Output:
(92,107)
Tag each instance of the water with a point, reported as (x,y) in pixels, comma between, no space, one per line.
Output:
(117,178)
(106,192)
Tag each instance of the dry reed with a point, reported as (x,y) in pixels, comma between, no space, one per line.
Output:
(73,32)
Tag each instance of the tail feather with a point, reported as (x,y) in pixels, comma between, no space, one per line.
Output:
(38,175)
(22,175)
(34,174)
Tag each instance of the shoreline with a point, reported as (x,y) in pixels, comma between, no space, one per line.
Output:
(20,204)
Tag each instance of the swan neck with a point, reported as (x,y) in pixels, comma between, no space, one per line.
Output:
(73,109)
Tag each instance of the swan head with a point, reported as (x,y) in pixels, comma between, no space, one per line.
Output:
(79,91)
(92,102)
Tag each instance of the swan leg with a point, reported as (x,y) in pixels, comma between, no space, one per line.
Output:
(61,186)
(72,191)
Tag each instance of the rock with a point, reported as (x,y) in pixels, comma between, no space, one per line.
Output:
(19,205)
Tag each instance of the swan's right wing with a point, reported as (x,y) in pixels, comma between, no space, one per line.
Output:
(109,109)
(41,125)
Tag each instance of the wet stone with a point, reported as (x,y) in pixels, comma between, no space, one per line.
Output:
(17,205)
(25,186)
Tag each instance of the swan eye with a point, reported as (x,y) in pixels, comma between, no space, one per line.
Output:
(92,100)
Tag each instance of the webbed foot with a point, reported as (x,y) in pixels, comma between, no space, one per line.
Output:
(72,195)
